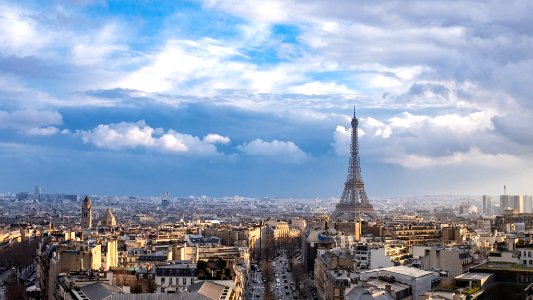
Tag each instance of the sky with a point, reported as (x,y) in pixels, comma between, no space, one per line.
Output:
(255,98)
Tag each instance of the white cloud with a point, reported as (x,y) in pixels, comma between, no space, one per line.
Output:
(181,61)
(50,130)
(415,141)
(19,33)
(418,124)
(319,88)
(140,135)
(342,139)
(285,151)
(473,157)
(31,122)
(214,138)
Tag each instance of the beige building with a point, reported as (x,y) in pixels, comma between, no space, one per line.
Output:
(282,230)
(454,261)
(331,279)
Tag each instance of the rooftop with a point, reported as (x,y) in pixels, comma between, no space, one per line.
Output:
(413,272)
(473,276)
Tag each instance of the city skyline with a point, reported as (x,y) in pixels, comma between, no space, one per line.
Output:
(224,97)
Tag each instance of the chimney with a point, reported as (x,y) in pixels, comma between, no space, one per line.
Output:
(388,288)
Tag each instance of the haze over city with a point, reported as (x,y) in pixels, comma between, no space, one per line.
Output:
(255,98)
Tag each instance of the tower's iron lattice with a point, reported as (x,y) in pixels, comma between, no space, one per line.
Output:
(354,201)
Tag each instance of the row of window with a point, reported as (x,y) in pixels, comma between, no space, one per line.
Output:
(177,281)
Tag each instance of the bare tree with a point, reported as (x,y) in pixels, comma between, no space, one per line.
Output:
(298,274)
(268,276)
(15,289)
(19,254)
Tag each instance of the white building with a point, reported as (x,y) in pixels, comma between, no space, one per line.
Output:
(373,256)
(526,257)
(419,280)
(174,277)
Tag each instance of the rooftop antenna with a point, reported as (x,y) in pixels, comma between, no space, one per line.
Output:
(354,111)
(504,190)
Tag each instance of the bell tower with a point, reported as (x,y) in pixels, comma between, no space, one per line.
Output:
(86,214)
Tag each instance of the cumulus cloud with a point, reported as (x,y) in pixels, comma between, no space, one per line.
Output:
(285,151)
(140,135)
(342,139)
(214,138)
(421,140)
(31,122)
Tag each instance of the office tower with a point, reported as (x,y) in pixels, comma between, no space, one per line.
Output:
(487,205)
(517,203)
(528,204)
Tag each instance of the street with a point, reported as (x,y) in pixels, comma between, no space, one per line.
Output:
(257,289)
(283,285)
(3,278)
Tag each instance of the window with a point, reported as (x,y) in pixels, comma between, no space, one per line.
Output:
(184,280)
(162,280)
(531,262)
(192,280)
(170,281)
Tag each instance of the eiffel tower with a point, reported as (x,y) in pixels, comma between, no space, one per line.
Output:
(354,201)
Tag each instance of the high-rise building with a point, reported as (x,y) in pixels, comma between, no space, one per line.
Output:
(505,202)
(528,204)
(517,203)
(37,191)
(86,214)
(487,205)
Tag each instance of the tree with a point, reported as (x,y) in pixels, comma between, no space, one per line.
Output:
(19,254)
(221,264)
(268,276)
(201,264)
(136,289)
(15,289)
(297,274)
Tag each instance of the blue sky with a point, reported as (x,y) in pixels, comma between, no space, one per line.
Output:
(224,97)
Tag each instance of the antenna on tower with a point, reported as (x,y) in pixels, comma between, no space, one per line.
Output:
(504,190)
(354,111)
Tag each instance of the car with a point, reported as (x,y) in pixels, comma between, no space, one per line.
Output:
(287,293)
(294,297)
